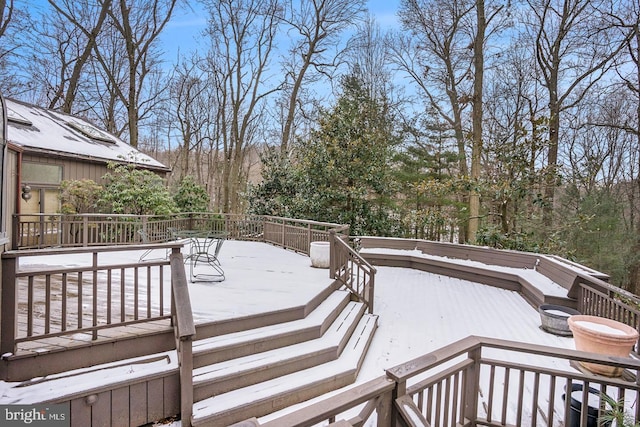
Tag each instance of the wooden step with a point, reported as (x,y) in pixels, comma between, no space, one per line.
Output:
(278,393)
(239,344)
(222,377)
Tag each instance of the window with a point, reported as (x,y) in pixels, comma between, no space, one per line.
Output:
(16,117)
(38,173)
(91,132)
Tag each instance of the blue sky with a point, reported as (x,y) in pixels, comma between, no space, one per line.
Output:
(187,23)
(184,29)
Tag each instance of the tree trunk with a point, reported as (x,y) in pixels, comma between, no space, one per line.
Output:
(552,158)
(476,151)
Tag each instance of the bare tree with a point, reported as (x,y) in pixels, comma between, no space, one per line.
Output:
(15,58)
(88,18)
(370,60)
(514,128)
(445,58)
(316,27)
(108,75)
(195,110)
(569,65)
(241,34)
(6,13)
(437,58)
(139,24)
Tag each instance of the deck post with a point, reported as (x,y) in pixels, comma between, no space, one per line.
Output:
(371,292)
(8,328)
(15,232)
(384,410)
(471,382)
(185,330)
(185,353)
(332,254)
(85,231)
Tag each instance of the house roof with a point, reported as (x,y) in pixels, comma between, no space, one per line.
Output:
(38,130)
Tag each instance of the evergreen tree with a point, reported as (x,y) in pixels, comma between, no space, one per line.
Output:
(135,191)
(277,193)
(79,196)
(426,167)
(344,166)
(190,196)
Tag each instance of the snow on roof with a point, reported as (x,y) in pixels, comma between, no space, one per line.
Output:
(45,130)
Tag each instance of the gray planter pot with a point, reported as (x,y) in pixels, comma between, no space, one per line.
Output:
(554,319)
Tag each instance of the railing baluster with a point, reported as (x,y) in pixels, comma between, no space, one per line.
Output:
(456,398)
(95,295)
(430,405)
(437,420)
(161,296)
(584,413)
(109,294)
(447,400)
(136,295)
(534,410)
(80,313)
(492,376)
(505,395)
(64,302)
(149,292)
(123,295)
(552,398)
(520,398)
(47,306)
(30,307)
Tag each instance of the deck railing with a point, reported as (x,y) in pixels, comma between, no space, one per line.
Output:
(31,301)
(185,332)
(500,383)
(352,270)
(599,298)
(31,231)
(79,301)
(481,381)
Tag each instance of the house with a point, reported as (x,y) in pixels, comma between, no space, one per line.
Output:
(46,147)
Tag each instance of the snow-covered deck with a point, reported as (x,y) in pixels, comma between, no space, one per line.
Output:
(421,312)
(418,311)
(259,277)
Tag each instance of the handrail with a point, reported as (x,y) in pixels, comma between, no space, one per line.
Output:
(501,377)
(54,229)
(86,295)
(443,388)
(349,268)
(185,332)
(378,391)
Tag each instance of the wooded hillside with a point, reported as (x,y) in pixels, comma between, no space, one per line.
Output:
(509,124)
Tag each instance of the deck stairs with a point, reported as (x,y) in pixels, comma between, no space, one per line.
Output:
(246,368)
(258,371)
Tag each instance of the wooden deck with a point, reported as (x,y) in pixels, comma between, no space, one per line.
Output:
(261,278)
(268,286)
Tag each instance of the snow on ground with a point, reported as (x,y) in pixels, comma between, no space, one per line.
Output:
(421,312)
(418,311)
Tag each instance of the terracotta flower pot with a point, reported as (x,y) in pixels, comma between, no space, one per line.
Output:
(595,334)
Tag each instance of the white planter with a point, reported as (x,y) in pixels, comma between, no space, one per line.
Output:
(319,254)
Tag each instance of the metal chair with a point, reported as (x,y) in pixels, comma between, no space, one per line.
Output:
(200,251)
(165,237)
